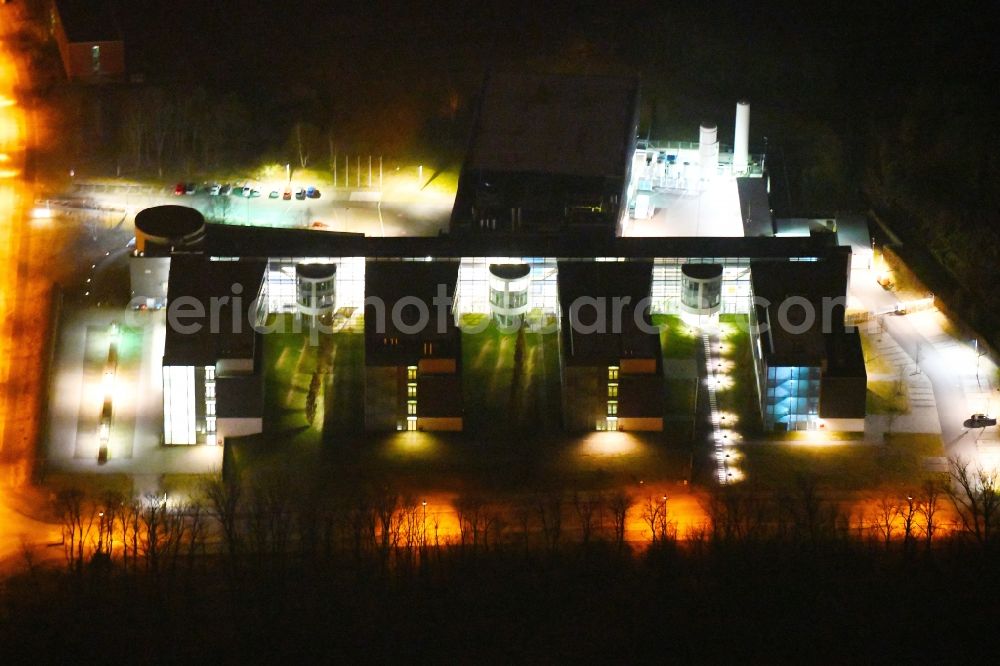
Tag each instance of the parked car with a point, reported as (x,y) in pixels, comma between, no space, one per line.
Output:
(214,189)
(226,190)
(300,193)
(287,194)
(273,194)
(179,189)
(190,189)
(312,192)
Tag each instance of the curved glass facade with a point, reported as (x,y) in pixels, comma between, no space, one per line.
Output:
(701,289)
(316,288)
(509,285)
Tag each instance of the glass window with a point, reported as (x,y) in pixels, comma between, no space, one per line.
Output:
(612,390)
(411,390)
(613,373)
(411,408)
(612,408)
(411,372)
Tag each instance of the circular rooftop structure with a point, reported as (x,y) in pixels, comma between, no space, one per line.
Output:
(316,288)
(510,271)
(167,228)
(701,289)
(702,271)
(316,271)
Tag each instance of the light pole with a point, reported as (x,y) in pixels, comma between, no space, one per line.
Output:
(423,527)
(663,521)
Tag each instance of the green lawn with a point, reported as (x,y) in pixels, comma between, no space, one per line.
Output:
(676,338)
(513,439)
(843,466)
(496,404)
(291,359)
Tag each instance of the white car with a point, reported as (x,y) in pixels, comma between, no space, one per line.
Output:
(214,189)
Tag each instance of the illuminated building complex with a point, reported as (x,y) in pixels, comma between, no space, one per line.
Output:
(539,224)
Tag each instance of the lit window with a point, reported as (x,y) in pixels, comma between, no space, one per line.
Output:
(411,408)
(612,390)
(210,407)
(411,390)
(411,372)
(612,408)
(613,373)
(95,58)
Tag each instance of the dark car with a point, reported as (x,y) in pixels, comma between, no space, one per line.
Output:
(980,421)
(300,193)
(190,189)
(226,190)
(312,192)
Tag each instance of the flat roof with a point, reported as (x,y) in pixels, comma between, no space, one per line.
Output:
(555,123)
(398,287)
(226,240)
(88,21)
(774,283)
(195,281)
(605,334)
(755,207)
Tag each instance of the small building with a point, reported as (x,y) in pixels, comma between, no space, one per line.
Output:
(89,40)
(413,348)
(213,379)
(160,231)
(316,289)
(549,154)
(809,364)
(509,285)
(610,361)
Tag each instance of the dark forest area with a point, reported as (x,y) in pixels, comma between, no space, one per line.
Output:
(268,567)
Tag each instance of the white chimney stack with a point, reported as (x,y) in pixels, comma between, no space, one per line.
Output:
(741,141)
(708,150)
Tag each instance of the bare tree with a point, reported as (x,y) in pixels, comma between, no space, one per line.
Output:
(151,530)
(549,509)
(976,496)
(620,503)
(588,507)
(885,513)
(225,502)
(471,513)
(652,514)
(928,508)
(77,519)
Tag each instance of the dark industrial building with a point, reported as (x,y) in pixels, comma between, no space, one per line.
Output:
(549,154)
(213,375)
(810,366)
(413,349)
(611,369)
(90,43)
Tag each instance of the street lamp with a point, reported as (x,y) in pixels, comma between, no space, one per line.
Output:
(423,529)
